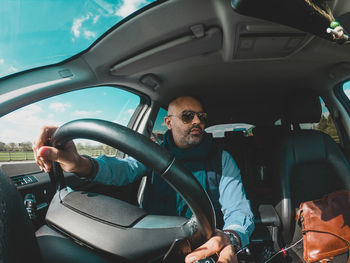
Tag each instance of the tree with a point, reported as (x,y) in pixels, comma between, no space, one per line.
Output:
(79,146)
(2,146)
(25,146)
(11,147)
(327,125)
(323,124)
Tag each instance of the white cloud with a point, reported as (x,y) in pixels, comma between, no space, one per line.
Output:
(96,18)
(128,7)
(105,7)
(130,111)
(12,69)
(23,124)
(124,115)
(2,61)
(59,107)
(78,23)
(89,34)
(347,92)
(86,113)
(23,114)
(78,29)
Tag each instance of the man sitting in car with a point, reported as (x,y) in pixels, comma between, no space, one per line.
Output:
(215,169)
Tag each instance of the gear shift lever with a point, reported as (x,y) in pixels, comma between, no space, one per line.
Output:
(30,205)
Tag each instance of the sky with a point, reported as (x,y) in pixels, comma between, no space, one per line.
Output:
(346,88)
(43,32)
(103,103)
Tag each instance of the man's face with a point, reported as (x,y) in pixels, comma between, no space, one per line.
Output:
(185,133)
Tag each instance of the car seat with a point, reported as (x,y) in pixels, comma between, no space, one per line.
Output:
(308,163)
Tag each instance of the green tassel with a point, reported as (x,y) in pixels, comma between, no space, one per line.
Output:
(334,24)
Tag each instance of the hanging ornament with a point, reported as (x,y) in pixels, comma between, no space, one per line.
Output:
(335,27)
(337,32)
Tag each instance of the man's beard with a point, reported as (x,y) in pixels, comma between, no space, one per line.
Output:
(193,139)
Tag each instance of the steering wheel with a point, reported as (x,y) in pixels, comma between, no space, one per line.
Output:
(119,228)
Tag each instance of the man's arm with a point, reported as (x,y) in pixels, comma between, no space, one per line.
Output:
(68,157)
(118,172)
(218,244)
(238,217)
(106,170)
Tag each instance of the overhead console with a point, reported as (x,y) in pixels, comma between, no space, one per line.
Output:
(267,40)
(293,13)
(199,41)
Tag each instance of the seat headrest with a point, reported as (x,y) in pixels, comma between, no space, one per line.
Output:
(303,106)
(266,131)
(234,134)
(267,135)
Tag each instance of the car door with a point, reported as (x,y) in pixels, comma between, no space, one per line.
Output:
(21,127)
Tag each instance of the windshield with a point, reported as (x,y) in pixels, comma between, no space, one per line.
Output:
(42,32)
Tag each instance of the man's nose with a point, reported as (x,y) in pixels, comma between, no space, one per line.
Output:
(196,119)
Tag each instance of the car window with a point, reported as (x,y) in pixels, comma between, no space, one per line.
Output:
(159,127)
(278,122)
(40,34)
(21,127)
(326,123)
(219,130)
(346,89)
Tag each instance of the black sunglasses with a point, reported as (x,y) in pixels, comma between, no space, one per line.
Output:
(188,115)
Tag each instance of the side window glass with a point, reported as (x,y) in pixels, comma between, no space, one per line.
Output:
(21,127)
(278,122)
(326,123)
(159,127)
(218,131)
(346,89)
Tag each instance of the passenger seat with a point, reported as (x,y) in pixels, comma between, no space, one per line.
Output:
(259,163)
(260,187)
(308,162)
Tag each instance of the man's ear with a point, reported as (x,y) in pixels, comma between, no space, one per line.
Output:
(167,122)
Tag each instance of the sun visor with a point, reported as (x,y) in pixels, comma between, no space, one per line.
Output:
(294,13)
(194,44)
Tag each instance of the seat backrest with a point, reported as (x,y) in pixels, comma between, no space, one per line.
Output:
(260,163)
(308,163)
(233,142)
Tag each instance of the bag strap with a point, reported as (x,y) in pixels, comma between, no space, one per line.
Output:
(327,232)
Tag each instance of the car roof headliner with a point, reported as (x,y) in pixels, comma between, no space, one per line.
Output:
(159,41)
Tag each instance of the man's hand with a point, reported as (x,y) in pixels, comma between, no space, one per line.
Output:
(68,157)
(218,244)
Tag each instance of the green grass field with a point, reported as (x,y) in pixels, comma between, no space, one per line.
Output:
(29,156)
(16,156)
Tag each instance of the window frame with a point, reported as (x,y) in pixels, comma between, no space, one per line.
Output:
(343,99)
(143,102)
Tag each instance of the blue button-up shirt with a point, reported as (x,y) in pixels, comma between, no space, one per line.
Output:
(232,199)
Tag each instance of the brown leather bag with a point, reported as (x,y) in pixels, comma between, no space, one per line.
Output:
(325,226)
